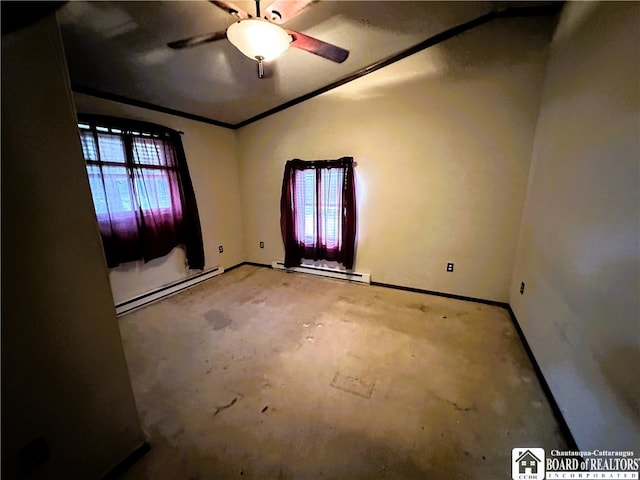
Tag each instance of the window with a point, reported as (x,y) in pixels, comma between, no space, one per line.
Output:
(141,190)
(318,218)
(105,154)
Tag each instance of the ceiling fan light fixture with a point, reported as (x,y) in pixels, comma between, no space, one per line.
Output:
(258,39)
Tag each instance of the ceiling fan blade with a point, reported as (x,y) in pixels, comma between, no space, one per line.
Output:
(320,48)
(197,40)
(281,11)
(231,9)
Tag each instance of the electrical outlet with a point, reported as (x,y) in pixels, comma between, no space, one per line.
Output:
(449,267)
(521,288)
(220,249)
(261,244)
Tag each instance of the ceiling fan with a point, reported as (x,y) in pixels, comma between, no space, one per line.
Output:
(261,38)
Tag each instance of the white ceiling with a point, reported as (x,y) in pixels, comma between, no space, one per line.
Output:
(119,49)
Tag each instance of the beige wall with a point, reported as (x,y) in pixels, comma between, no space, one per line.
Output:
(64,374)
(579,246)
(211,155)
(442,142)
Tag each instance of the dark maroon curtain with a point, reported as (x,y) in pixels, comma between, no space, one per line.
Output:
(141,189)
(318,211)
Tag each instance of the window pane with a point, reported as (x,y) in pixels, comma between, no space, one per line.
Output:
(97,189)
(153,189)
(330,214)
(163,192)
(310,206)
(306,206)
(111,148)
(88,146)
(330,225)
(147,151)
(119,195)
(110,190)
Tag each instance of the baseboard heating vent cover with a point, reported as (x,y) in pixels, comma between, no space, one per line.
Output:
(162,292)
(326,272)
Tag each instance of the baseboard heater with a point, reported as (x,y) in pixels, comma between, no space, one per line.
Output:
(166,290)
(326,272)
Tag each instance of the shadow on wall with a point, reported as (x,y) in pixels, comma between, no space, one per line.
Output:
(619,368)
(607,70)
(501,43)
(591,306)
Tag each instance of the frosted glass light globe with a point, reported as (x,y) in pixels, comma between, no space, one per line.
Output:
(258,39)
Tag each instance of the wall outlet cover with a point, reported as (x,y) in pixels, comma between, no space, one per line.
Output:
(449,267)
(220,249)
(261,244)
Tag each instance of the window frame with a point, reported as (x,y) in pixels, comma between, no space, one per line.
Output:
(129,164)
(320,217)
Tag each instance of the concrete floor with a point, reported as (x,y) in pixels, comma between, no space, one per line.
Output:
(265,374)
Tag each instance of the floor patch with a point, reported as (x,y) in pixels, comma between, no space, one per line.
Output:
(353,384)
(217,319)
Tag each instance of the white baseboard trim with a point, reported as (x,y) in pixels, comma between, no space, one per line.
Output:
(128,306)
(326,272)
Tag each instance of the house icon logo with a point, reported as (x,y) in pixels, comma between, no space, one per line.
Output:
(527,464)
